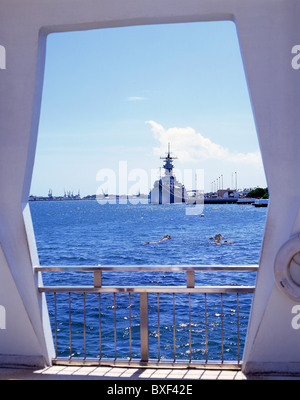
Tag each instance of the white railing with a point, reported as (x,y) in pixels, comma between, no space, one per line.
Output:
(145,309)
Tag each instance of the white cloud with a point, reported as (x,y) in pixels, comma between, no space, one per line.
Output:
(191,146)
(136,98)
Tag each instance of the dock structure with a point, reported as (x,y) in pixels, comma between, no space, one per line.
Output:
(269,33)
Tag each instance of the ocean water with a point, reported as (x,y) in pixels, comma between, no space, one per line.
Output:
(89,233)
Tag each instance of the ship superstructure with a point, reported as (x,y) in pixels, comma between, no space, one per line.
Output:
(167,190)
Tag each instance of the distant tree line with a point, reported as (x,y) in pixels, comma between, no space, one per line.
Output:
(259,193)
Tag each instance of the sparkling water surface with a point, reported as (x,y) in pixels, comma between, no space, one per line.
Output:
(89,233)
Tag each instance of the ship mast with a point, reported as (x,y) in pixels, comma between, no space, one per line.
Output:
(168,166)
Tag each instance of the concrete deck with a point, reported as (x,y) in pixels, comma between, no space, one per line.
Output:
(109,373)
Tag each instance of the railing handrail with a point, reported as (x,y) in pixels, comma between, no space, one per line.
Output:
(141,268)
(148,289)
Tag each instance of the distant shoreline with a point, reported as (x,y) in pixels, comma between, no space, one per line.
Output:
(144,200)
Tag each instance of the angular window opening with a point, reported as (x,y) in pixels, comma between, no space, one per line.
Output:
(113,100)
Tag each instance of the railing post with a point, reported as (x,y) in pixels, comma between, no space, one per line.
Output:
(190,279)
(144,326)
(97,278)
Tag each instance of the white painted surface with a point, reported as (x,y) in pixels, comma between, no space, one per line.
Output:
(268,32)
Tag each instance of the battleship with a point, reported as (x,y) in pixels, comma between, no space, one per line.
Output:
(167,190)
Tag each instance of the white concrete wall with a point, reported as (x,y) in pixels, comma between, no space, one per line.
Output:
(268,30)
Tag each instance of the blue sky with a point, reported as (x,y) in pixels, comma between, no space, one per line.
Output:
(122,94)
